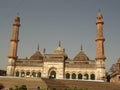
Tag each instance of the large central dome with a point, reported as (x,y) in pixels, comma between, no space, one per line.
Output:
(37,55)
(60,51)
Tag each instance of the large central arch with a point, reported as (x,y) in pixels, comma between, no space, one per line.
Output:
(52,72)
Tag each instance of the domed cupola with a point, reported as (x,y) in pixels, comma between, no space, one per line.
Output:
(99,18)
(37,55)
(81,56)
(60,51)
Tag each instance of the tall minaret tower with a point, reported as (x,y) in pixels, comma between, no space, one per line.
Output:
(100,57)
(13,47)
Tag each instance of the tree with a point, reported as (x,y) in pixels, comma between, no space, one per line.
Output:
(112,69)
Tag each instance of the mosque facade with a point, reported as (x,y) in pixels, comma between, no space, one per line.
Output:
(57,64)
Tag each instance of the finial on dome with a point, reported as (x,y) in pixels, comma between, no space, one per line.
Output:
(81,47)
(38,47)
(99,10)
(59,43)
(17,20)
(64,49)
(99,17)
(44,50)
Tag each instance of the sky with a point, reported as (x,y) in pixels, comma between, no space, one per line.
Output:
(45,22)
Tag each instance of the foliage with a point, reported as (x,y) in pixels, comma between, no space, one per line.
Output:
(112,68)
(22,87)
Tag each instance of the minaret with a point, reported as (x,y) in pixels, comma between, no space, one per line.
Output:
(100,38)
(13,47)
(100,57)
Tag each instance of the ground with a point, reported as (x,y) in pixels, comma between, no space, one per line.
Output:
(33,83)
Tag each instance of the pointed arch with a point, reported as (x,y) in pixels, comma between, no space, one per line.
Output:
(92,76)
(22,74)
(80,76)
(67,76)
(39,74)
(33,74)
(73,76)
(52,72)
(86,76)
(17,73)
(28,73)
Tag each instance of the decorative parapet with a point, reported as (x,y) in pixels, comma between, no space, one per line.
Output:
(29,63)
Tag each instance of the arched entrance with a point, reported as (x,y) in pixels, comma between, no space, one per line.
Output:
(52,74)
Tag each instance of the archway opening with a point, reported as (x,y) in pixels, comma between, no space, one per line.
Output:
(86,76)
(67,76)
(52,74)
(28,73)
(33,74)
(39,74)
(92,76)
(22,74)
(73,76)
(17,74)
(79,76)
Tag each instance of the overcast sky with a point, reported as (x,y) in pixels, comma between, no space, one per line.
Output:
(45,22)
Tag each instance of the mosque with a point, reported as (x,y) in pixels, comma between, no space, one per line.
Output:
(57,64)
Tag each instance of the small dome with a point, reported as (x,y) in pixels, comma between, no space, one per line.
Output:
(60,51)
(37,56)
(81,56)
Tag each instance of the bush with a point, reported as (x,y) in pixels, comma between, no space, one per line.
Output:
(22,87)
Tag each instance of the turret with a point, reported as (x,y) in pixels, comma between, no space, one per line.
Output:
(13,47)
